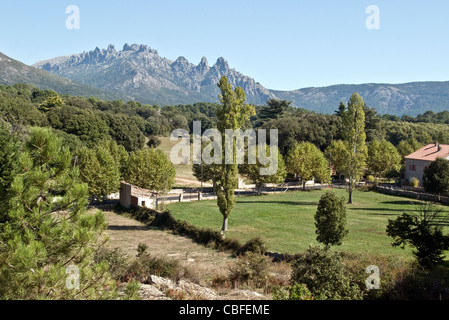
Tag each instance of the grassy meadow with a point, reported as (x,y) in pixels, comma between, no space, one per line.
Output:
(286,221)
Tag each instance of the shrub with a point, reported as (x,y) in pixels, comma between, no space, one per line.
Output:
(370,178)
(400,279)
(294,292)
(322,271)
(255,245)
(146,265)
(153,142)
(414,182)
(251,269)
(116,259)
(131,291)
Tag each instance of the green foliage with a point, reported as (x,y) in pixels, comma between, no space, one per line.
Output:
(338,155)
(255,245)
(308,162)
(406,147)
(150,169)
(414,182)
(297,291)
(322,271)
(436,177)
(423,232)
(116,259)
(234,113)
(274,109)
(47,229)
(52,102)
(299,125)
(86,124)
(125,131)
(145,265)
(330,220)
(99,170)
(118,153)
(252,171)
(354,136)
(153,142)
(383,157)
(132,291)
(9,156)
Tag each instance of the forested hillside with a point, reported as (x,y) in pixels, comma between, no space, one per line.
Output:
(87,121)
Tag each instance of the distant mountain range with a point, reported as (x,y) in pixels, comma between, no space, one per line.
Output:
(13,71)
(140,73)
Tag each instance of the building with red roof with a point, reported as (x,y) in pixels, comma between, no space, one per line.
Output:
(418,161)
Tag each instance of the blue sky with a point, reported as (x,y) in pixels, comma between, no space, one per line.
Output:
(284,44)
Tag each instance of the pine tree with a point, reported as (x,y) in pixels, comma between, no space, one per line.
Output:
(48,234)
(9,154)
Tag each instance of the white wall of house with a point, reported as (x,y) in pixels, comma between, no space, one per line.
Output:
(415,169)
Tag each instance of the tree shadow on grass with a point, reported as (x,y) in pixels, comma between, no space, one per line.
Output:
(293,203)
(394,211)
(404,202)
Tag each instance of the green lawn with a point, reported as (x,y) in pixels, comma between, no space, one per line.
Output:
(286,221)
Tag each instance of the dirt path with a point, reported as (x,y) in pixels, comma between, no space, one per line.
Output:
(191,182)
(127,233)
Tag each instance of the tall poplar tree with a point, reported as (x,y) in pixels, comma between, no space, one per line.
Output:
(354,136)
(234,113)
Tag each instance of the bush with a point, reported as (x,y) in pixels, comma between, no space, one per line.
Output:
(370,178)
(255,245)
(153,142)
(400,279)
(294,292)
(322,271)
(116,259)
(414,182)
(146,265)
(251,269)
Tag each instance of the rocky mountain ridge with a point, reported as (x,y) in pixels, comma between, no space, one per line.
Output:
(138,72)
(141,72)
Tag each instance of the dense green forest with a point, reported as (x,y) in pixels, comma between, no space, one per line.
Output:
(87,121)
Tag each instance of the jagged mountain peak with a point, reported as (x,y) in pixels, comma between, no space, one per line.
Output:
(139,70)
(203,66)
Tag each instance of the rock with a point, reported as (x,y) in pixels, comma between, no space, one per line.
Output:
(189,290)
(149,292)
